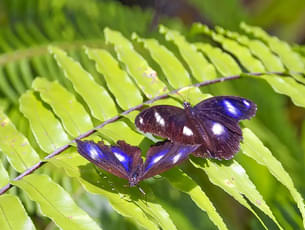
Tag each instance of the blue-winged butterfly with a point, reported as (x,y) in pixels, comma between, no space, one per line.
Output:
(212,123)
(125,161)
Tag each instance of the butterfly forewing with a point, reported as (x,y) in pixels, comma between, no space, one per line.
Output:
(113,159)
(131,152)
(164,156)
(166,121)
(229,107)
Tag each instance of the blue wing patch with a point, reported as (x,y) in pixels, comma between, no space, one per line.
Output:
(122,157)
(92,150)
(150,161)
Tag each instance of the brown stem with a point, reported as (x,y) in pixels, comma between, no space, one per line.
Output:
(90,132)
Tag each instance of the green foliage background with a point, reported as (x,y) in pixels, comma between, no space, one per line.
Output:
(61,74)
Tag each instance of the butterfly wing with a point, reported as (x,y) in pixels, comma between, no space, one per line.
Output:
(164,156)
(166,121)
(227,107)
(222,142)
(219,117)
(118,160)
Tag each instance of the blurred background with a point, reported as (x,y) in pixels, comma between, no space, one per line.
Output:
(285,19)
(27,27)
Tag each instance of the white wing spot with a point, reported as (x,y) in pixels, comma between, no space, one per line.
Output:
(157,159)
(187,131)
(246,103)
(93,152)
(176,158)
(159,119)
(119,156)
(217,129)
(230,108)
(141,121)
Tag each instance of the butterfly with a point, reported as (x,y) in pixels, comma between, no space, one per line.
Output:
(212,123)
(125,161)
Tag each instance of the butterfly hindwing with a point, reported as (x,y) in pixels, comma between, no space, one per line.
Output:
(219,117)
(166,121)
(222,142)
(164,156)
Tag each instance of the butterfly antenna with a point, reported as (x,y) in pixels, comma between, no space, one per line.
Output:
(181,91)
(144,194)
(188,95)
(141,190)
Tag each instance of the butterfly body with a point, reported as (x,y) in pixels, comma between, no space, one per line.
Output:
(212,123)
(125,161)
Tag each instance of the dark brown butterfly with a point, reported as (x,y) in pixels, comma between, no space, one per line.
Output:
(212,123)
(125,161)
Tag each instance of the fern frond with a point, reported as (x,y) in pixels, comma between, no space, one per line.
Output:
(126,72)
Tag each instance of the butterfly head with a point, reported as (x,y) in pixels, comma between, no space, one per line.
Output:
(134,179)
(186,104)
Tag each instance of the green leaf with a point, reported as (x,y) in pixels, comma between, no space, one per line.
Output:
(145,77)
(74,117)
(283,85)
(116,78)
(176,74)
(13,215)
(47,130)
(6,87)
(185,184)
(202,70)
(258,49)
(15,146)
(4,179)
(240,52)
(11,69)
(223,62)
(55,203)
(287,86)
(85,85)
(121,131)
(4,104)
(263,52)
(290,58)
(255,149)
(233,179)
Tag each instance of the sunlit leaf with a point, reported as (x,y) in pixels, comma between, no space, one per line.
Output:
(15,146)
(199,65)
(56,203)
(185,184)
(74,117)
(47,130)
(255,149)
(129,96)
(85,85)
(233,179)
(4,179)
(76,166)
(13,215)
(146,78)
(176,74)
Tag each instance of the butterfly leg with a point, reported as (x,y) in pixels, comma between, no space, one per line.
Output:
(203,153)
